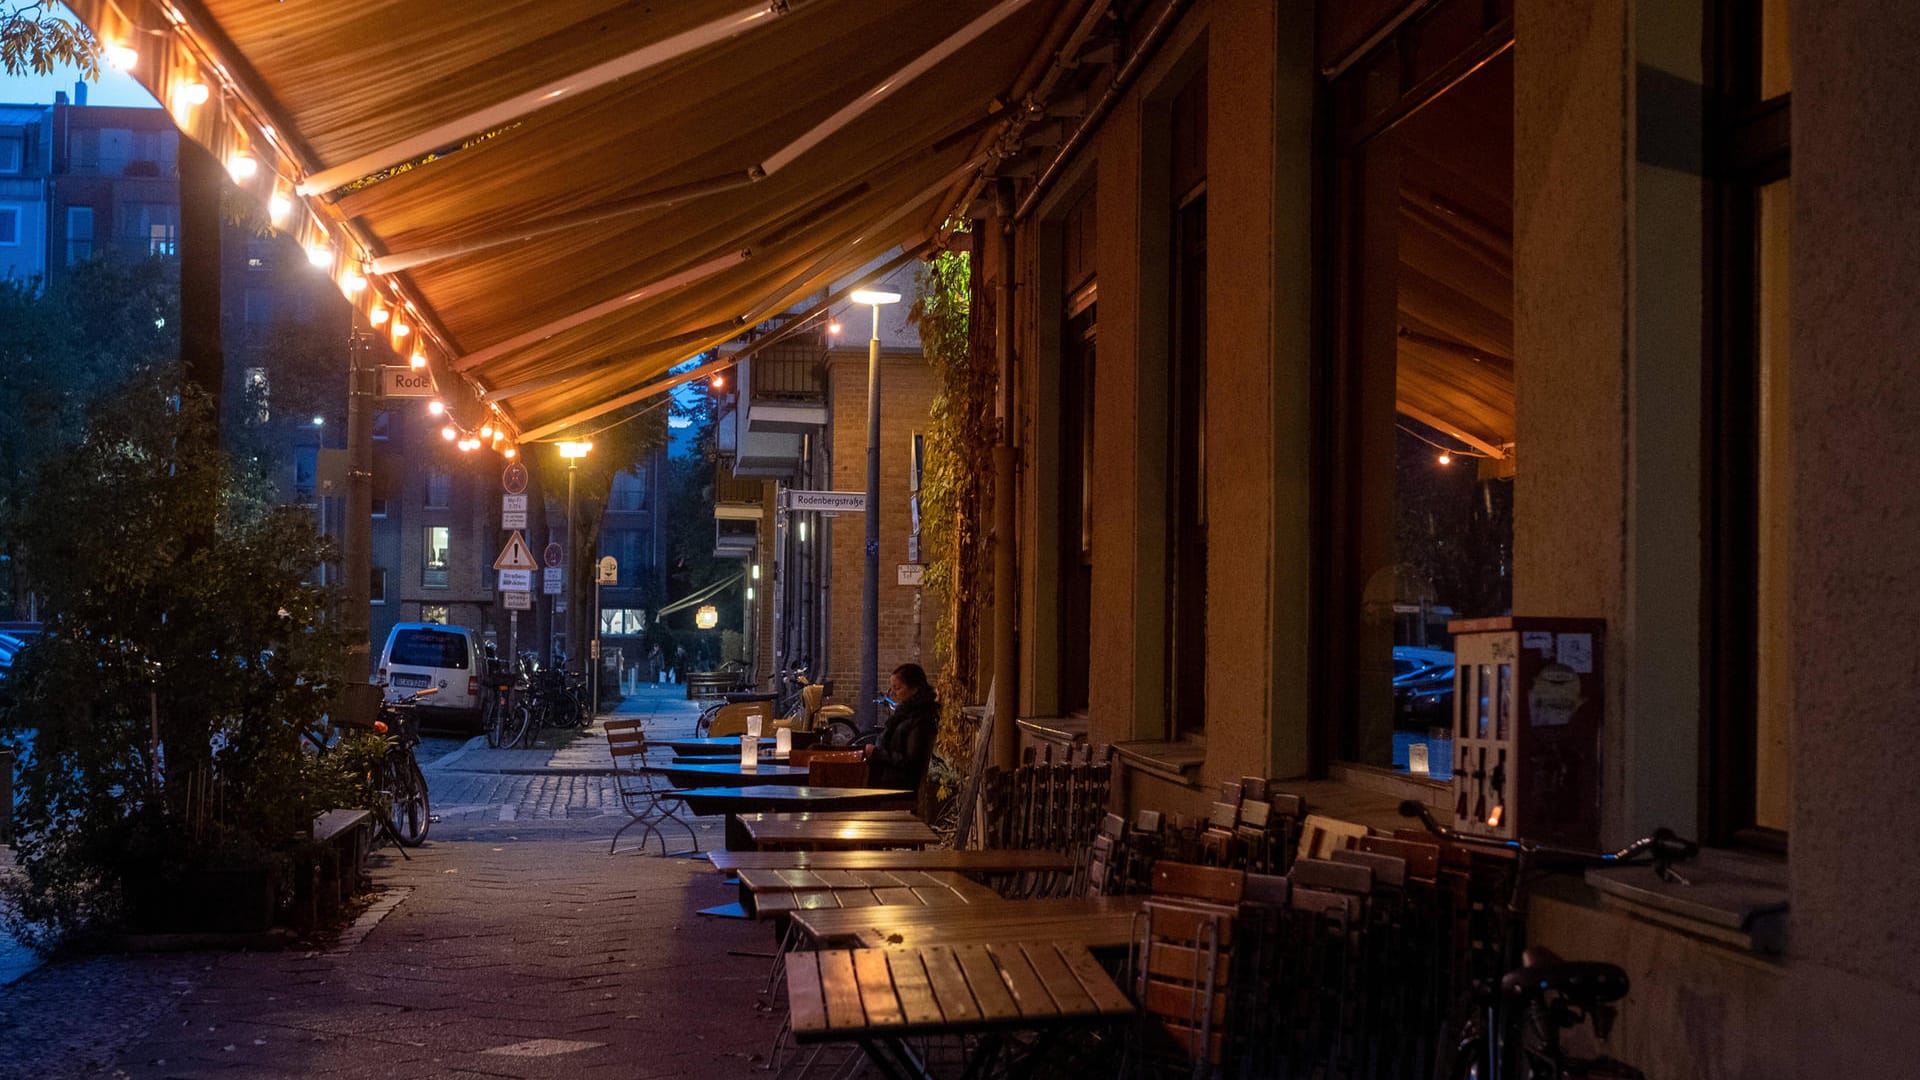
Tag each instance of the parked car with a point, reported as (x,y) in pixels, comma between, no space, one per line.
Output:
(1422,686)
(445,658)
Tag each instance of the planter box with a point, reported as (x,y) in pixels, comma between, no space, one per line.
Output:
(213,900)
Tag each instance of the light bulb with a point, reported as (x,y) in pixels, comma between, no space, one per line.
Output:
(1445,458)
(353,284)
(194,93)
(417,361)
(123,57)
(401,329)
(278,207)
(447,432)
(486,431)
(378,316)
(510,453)
(320,254)
(242,167)
(719,382)
(319,421)
(833,327)
(436,407)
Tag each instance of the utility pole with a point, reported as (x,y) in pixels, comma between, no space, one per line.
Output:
(356,546)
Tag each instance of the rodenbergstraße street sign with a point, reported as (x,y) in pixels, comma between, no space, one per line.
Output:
(400,381)
(833,502)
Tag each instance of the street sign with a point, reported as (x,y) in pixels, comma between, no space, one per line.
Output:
(516,581)
(912,573)
(836,502)
(519,601)
(399,381)
(552,554)
(559,605)
(516,555)
(513,504)
(550,581)
(513,519)
(513,478)
(609,571)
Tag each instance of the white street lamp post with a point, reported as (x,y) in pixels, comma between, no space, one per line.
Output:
(870,595)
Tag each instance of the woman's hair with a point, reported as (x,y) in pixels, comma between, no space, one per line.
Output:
(913,675)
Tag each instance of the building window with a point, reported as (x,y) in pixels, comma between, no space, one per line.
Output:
(1074,520)
(1417,527)
(13,151)
(1747,689)
(439,488)
(629,492)
(433,613)
(255,387)
(377,587)
(163,239)
(9,226)
(1186,411)
(622,621)
(438,556)
(379,508)
(152,228)
(382,424)
(79,234)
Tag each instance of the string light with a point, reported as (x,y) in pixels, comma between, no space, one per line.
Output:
(510,453)
(122,56)
(378,315)
(486,431)
(401,329)
(448,433)
(1445,458)
(719,382)
(436,407)
(278,207)
(194,93)
(834,328)
(319,253)
(353,283)
(417,361)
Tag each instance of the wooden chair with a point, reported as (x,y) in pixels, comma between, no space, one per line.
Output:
(1184,963)
(645,796)
(801,758)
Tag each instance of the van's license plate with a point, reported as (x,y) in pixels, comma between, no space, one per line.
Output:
(421,681)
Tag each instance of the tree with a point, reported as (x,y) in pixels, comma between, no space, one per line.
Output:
(35,37)
(185,650)
(688,504)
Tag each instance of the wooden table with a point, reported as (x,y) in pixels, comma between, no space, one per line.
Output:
(1096,922)
(773,798)
(1000,861)
(729,773)
(721,745)
(771,893)
(879,997)
(766,832)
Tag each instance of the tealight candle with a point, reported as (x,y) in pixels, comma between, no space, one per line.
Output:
(782,742)
(753,725)
(749,753)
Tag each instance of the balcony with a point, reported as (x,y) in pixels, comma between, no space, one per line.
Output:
(783,397)
(736,497)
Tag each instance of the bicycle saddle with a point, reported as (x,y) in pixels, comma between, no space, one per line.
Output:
(741,697)
(1585,984)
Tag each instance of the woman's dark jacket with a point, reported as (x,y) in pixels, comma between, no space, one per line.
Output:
(906,743)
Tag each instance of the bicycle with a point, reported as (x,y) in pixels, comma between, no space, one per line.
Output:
(496,707)
(404,811)
(1513,1027)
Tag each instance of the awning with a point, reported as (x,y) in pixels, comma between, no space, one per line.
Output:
(565,199)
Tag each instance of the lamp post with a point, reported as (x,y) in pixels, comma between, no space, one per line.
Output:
(870,594)
(573,452)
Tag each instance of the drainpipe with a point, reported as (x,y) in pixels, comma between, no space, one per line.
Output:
(1006,735)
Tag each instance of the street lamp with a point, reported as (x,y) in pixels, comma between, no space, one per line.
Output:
(573,452)
(870,597)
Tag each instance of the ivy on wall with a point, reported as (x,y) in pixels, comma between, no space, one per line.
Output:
(956,487)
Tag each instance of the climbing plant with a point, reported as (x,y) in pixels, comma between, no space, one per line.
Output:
(956,485)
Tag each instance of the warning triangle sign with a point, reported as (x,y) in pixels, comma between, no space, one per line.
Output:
(516,555)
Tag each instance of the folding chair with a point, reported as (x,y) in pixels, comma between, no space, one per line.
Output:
(1183,962)
(824,771)
(643,795)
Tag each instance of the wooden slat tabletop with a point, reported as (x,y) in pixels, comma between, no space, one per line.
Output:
(768,832)
(1002,861)
(707,745)
(1106,920)
(890,993)
(781,892)
(728,773)
(775,797)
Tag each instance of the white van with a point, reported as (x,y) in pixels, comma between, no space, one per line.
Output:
(447,658)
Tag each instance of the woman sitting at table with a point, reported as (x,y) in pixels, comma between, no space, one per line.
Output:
(898,759)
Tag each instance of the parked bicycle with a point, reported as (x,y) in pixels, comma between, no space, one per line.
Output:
(1513,1027)
(404,808)
(541,697)
(497,701)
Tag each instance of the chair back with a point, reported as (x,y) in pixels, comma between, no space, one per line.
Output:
(803,757)
(830,773)
(1183,952)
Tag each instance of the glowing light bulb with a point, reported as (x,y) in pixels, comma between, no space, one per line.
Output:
(320,254)
(448,433)
(194,93)
(123,57)
(278,207)
(378,316)
(417,361)
(719,382)
(353,284)
(1445,458)
(510,453)
(486,431)
(401,329)
(242,167)
(436,407)
(834,327)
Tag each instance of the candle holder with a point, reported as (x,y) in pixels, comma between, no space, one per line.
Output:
(754,724)
(749,753)
(782,743)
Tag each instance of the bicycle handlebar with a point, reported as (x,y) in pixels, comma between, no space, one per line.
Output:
(1662,847)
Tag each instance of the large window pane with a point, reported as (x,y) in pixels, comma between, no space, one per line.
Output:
(438,556)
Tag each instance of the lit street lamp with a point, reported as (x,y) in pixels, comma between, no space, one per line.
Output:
(573,452)
(870,593)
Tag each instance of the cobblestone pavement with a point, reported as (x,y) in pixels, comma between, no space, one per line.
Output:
(511,945)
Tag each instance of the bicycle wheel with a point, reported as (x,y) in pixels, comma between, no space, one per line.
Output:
(398,776)
(839,734)
(496,719)
(519,726)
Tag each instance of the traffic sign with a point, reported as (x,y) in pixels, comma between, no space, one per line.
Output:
(513,478)
(516,555)
(513,519)
(516,581)
(911,573)
(519,601)
(550,581)
(552,554)
(609,571)
(399,380)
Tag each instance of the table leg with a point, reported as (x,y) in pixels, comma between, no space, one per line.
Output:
(737,838)
(894,1059)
